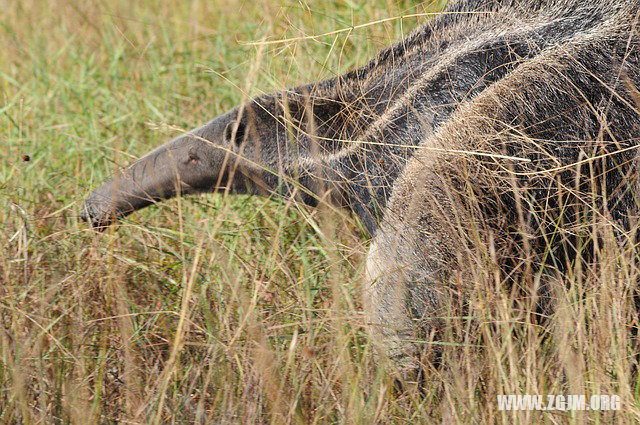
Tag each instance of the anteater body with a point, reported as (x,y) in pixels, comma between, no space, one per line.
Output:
(499,127)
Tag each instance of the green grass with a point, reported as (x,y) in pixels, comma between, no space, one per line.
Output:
(219,309)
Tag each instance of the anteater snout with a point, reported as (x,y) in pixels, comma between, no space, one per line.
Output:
(98,214)
(191,163)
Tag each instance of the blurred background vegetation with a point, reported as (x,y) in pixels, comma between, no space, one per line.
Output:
(208,309)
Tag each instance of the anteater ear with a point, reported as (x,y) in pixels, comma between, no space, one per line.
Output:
(234,136)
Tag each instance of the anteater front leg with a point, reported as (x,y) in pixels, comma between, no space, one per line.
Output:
(391,327)
(405,290)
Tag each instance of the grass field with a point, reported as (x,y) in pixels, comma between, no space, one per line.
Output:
(219,309)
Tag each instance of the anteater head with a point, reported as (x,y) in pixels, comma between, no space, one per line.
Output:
(269,145)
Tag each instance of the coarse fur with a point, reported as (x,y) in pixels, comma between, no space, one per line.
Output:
(562,128)
(492,134)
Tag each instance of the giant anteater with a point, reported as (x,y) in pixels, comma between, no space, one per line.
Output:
(504,126)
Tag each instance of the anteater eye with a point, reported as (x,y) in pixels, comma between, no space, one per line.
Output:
(193,158)
(234,136)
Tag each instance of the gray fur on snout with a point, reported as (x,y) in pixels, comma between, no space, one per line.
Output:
(191,163)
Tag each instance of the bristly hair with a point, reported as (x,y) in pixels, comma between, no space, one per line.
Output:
(526,132)
(368,122)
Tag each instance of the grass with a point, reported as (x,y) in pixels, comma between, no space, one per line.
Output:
(233,309)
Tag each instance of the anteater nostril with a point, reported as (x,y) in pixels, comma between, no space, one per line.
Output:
(90,214)
(85,214)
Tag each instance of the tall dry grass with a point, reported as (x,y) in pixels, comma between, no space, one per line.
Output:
(233,309)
